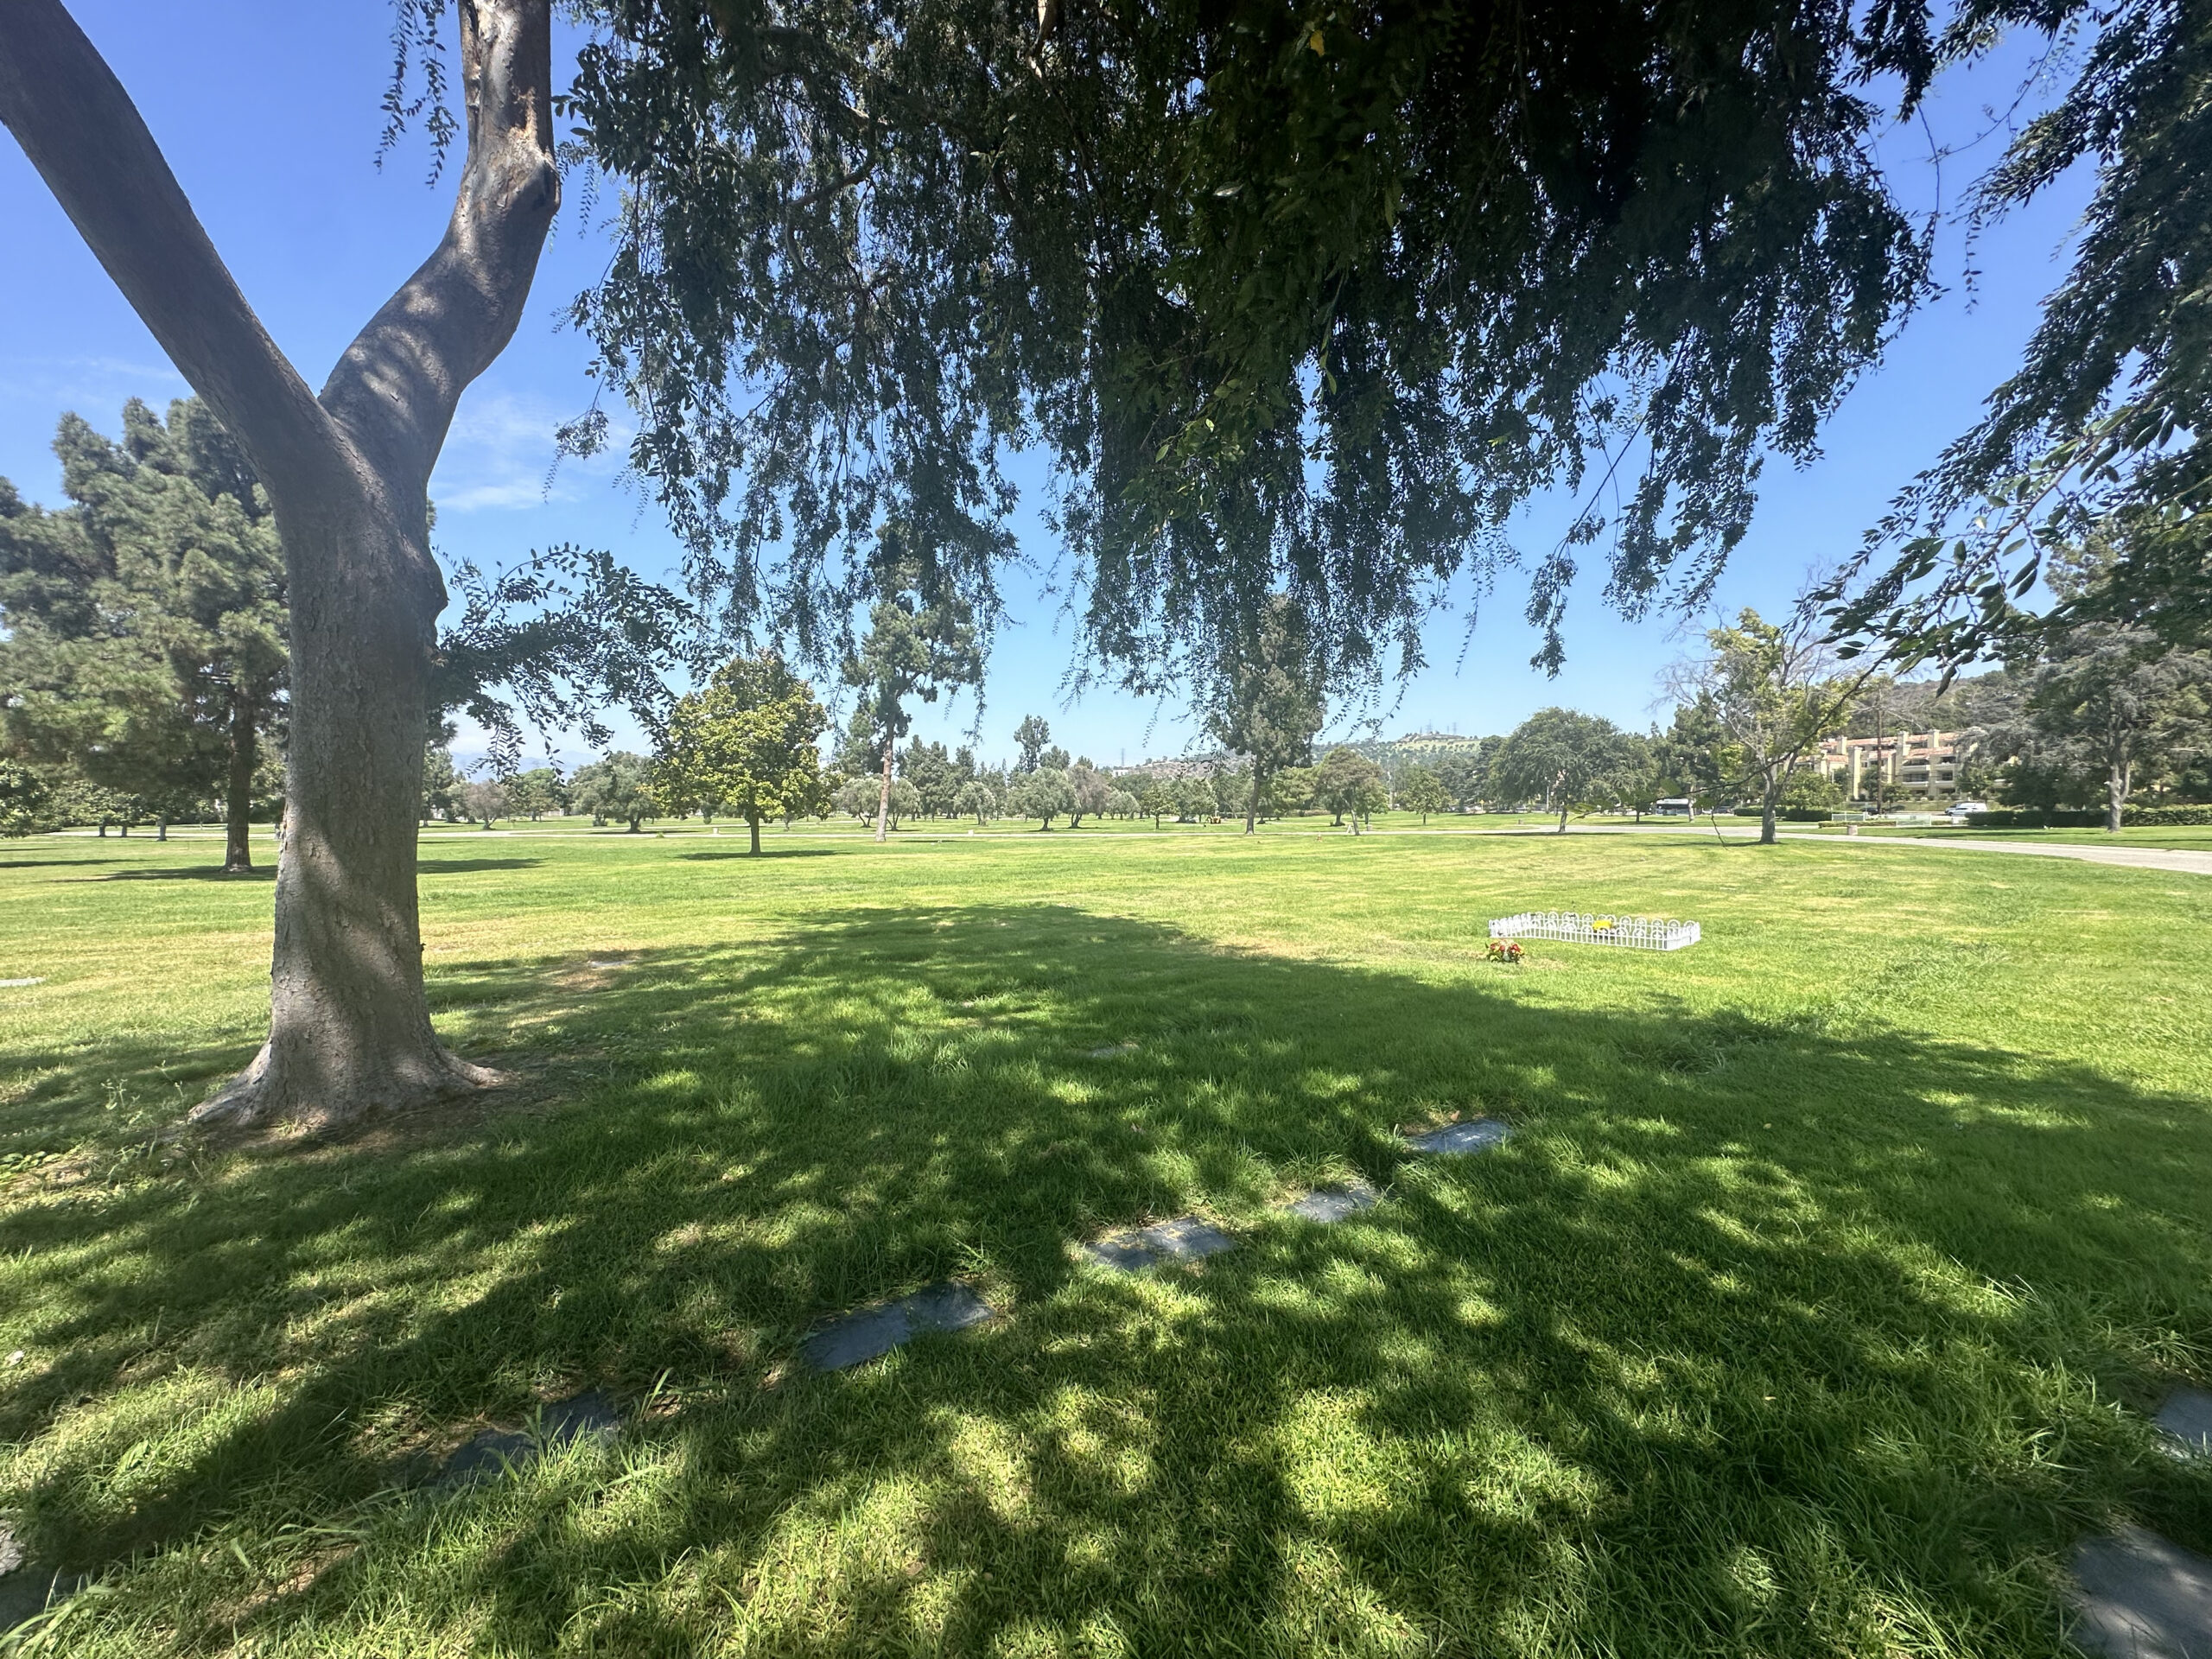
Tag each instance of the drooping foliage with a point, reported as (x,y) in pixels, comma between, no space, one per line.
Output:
(2104,422)
(1295,300)
(552,641)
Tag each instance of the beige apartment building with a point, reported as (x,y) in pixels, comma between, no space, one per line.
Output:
(1922,764)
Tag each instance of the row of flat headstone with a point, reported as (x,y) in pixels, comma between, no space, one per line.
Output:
(874,1332)
(2137,1595)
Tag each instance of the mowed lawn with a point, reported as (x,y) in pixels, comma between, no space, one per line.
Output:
(1814,1307)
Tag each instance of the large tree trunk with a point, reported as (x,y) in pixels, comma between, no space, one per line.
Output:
(238,789)
(1252,804)
(2119,779)
(348,473)
(883,801)
(1767,799)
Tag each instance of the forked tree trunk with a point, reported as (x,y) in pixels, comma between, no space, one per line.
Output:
(237,790)
(348,473)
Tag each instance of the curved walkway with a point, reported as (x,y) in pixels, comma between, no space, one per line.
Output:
(2170,859)
(2174,860)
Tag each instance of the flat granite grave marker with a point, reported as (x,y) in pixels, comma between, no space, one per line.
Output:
(1329,1204)
(1480,1135)
(876,1331)
(590,1414)
(2186,1420)
(2142,1598)
(28,1590)
(1186,1238)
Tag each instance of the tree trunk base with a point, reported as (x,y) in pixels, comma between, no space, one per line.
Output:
(317,1095)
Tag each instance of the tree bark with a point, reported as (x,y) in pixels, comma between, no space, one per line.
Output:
(883,802)
(1252,804)
(1766,811)
(348,472)
(238,790)
(2120,777)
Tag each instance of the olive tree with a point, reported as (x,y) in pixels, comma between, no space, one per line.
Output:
(1044,794)
(1774,690)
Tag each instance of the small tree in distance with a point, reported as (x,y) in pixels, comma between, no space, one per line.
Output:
(1347,781)
(1268,701)
(1155,799)
(1421,791)
(1045,794)
(915,646)
(485,800)
(746,740)
(1568,762)
(976,797)
(1774,692)
(1031,737)
(1090,789)
(618,789)
(1195,799)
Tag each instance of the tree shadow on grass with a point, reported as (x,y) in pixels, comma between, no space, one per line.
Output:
(764,854)
(471,866)
(190,873)
(1759,1336)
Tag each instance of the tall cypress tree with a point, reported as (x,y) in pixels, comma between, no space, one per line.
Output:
(146,619)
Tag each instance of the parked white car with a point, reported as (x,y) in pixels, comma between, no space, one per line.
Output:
(1960,808)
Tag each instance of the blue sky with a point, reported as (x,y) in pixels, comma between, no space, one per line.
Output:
(269,114)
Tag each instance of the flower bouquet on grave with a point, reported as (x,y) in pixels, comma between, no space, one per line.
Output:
(1505,951)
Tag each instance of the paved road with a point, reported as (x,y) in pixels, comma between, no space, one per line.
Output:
(2172,860)
(2136,858)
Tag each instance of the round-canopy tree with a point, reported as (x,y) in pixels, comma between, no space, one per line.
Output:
(746,741)
(1419,790)
(1569,760)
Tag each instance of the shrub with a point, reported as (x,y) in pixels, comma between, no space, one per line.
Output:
(2030,819)
(2166,816)
(1805,814)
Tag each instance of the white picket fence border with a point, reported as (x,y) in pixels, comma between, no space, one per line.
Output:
(1570,927)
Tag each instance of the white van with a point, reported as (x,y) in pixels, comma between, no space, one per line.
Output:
(1958,810)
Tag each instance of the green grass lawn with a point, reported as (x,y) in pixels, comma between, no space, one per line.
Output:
(1814,1308)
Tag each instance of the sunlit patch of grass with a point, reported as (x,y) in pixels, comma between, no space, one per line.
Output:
(1813,1308)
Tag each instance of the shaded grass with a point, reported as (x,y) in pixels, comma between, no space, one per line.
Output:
(1811,1310)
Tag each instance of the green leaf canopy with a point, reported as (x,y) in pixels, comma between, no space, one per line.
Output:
(1296,298)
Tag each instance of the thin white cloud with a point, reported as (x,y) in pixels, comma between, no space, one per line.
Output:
(500,453)
(95,387)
